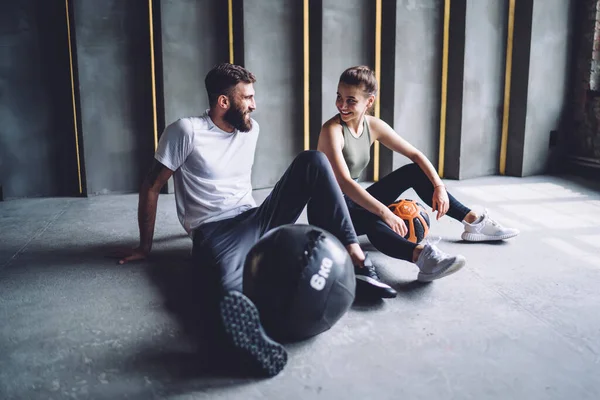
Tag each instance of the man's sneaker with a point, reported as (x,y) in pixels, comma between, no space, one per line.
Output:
(242,326)
(486,229)
(368,282)
(435,264)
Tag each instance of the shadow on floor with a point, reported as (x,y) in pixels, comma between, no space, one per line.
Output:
(195,357)
(190,296)
(486,242)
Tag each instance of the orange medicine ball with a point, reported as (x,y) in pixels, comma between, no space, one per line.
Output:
(415,217)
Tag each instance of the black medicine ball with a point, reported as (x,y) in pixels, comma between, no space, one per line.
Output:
(301,279)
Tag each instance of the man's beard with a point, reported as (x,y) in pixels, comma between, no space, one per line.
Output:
(235,117)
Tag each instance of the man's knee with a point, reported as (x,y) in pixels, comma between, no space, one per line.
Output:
(312,158)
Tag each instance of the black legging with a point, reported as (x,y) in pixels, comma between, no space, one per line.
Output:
(387,191)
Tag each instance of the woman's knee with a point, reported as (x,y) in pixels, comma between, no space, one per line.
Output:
(413,171)
(411,168)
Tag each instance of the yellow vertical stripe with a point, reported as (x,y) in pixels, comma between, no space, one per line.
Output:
(73,98)
(230,19)
(378,77)
(507,81)
(153,75)
(306,76)
(444,95)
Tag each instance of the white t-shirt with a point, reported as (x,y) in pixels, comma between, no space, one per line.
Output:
(212,169)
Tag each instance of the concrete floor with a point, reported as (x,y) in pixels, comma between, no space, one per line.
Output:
(521,321)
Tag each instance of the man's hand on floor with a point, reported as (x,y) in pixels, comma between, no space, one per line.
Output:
(126,255)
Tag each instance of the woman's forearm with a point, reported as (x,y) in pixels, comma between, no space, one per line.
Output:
(428,169)
(363,198)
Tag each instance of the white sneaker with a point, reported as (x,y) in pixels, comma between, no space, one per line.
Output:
(435,264)
(485,229)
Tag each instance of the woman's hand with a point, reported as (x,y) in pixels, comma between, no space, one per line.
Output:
(395,222)
(440,201)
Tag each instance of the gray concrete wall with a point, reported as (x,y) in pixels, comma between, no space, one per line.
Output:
(113,82)
(194,39)
(483,87)
(113,51)
(548,79)
(273,52)
(419,35)
(37,142)
(348,40)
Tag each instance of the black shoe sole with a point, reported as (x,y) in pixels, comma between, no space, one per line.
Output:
(242,326)
(372,288)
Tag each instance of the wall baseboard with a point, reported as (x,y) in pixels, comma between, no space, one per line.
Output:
(586,167)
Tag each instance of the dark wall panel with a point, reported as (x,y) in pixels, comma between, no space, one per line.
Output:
(419,36)
(113,51)
(315,67)
(37,142)
(388,77)
(194,39)
(454,87)
(273,40)
(578,144)
(519,82)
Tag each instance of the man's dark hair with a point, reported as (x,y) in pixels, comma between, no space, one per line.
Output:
(222,79)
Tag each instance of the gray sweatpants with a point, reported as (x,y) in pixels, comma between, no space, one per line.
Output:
(222,246)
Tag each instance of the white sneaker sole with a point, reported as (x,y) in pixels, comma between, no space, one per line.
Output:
(480,237)
(454,267)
